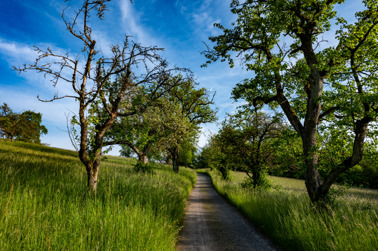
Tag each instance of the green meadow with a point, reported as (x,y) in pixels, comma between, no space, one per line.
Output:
(286,215)
(44,204)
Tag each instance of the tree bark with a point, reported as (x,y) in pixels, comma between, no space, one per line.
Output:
(143,158)
(256,176)
(169,161)
(92,174)
(175,157)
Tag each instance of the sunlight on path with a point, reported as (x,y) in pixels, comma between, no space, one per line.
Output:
(212,224)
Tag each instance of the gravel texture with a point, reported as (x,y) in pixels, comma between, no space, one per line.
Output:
(210,223)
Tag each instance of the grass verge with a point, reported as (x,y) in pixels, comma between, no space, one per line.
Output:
(44,204)
(287,216)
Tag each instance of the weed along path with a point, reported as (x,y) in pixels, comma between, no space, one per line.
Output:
(210,223)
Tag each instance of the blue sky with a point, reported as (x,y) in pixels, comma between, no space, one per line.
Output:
(179,26)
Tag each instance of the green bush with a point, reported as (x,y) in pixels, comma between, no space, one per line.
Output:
(145,168)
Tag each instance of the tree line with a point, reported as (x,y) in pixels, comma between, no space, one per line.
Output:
(261,144)
(130,98)
(320,98)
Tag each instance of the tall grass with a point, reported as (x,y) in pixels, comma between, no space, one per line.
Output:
(44,204)
(287,216)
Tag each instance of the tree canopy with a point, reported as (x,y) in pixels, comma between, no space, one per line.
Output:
(314,83)
(25,126)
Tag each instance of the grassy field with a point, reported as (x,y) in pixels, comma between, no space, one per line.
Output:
(287,216)
(44,204)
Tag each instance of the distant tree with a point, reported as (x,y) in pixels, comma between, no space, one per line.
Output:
(287,160)
(217,156)
(31,128)
(9,122)
(187,152)
(25,126)
(249,139)
(194,106)
(169,125)
(144,132)
(280,41)
(100,83)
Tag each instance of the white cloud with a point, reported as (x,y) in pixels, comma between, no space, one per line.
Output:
(131,22)
(202,18)
(17,52)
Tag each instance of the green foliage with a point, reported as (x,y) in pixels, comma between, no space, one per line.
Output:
(43,197)
(25,126)
(287,160)
(263,183)
(145,167)
(192,107)
(327,93)
(245,142)
(187,153)
(170,121)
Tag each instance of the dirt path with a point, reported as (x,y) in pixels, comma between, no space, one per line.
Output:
(210,223)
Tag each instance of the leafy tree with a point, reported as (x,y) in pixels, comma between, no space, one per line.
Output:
(100,83)
(31,128)
(249,139)
(25,126)
(280,41)
(158,124)
(187,153)
(194,106)
(9,122)
(214,156)
(287,160)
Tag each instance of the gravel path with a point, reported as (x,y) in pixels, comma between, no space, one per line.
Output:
(210,223)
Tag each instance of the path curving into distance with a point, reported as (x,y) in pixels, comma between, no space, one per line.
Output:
(210,223)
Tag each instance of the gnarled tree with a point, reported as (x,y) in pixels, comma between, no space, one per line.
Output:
(100,84)
(281,43)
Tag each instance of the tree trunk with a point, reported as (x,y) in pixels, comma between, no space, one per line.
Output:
(175,157)
(312,177)
(256,176)
(169,161)
(358,149)
(143,158)
(314,91)
(92,174)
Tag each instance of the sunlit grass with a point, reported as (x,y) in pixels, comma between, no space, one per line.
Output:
(44,204)
(287,216)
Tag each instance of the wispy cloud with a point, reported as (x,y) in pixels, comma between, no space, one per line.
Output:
(131,22)
(202,18)
(16,51)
